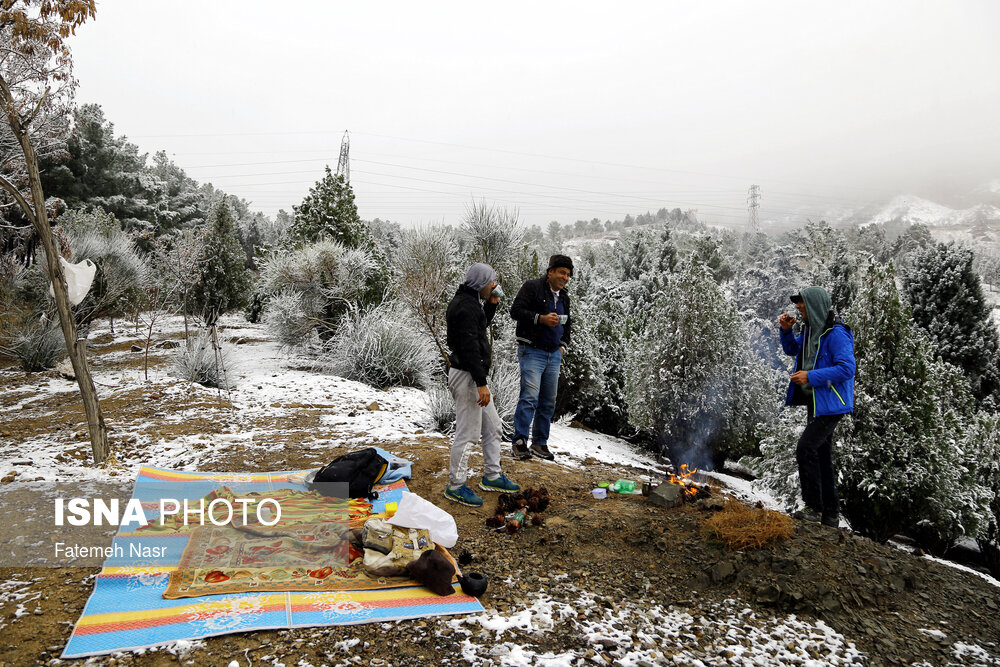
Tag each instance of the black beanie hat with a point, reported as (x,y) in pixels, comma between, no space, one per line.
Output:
(556,261)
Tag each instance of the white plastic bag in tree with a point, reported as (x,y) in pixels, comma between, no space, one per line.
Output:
(79,278)
(415,512)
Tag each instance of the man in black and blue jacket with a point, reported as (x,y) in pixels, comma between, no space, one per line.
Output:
(541,309)
(823,381)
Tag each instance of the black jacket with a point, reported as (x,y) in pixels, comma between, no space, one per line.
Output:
(467,320)
(531,301)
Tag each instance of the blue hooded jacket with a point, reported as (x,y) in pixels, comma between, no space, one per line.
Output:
(832,376)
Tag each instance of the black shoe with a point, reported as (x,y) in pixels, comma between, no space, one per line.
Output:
(808,515)
(541,451)
(520,450)
(832,520)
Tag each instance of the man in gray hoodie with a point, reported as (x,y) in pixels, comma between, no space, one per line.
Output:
(469,314)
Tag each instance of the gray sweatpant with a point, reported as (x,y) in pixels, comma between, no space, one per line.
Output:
(471,422)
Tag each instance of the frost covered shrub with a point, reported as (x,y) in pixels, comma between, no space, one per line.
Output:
(505,388)
(491,234)
(205,361)
(691,379)
(381,347)
(328,277)
(441,406)
(37,345)
(121,271)
(286,317)
(904,465)
(426,273)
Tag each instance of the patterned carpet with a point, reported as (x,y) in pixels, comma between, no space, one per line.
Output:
(127,609)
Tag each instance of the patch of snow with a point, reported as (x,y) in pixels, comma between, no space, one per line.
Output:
(936,634)
(973,654)
(629,633)
(963,568)
(748,491)
(573,445)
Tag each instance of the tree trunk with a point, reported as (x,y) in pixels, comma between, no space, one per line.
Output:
(39,218)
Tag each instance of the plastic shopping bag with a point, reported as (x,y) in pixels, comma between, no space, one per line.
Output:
(415,512)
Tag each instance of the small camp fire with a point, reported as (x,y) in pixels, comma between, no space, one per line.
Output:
(692,490)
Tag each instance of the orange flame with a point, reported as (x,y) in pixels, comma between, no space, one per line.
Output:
(690,490)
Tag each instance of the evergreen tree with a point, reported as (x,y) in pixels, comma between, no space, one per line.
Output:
(691,379)
(224,282)
(903,464)
(328,211)
(181,203)
(593,370)
(948,304)
(829,261)
(103,171)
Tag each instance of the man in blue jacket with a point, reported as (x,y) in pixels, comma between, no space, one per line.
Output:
(823,381)
(541,309)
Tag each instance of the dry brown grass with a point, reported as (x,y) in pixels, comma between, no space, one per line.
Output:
(741,527)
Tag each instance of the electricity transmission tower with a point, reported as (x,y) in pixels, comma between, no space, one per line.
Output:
(753,222)
(344,163)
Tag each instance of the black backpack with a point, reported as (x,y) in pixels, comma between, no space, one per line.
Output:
(361,470)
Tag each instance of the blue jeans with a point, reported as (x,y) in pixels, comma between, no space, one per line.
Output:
(537,402)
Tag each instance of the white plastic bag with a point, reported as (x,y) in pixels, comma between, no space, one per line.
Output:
(79,278)
(415,512)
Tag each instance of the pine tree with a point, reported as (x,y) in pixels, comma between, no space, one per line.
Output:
(328,211)
(224,282)
(948,304)
(691,379)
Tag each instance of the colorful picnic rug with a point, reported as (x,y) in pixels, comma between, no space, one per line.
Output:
(127,609)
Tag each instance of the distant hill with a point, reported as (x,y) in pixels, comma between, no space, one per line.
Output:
(912,209)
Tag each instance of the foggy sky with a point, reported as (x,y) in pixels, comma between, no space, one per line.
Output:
(564,110)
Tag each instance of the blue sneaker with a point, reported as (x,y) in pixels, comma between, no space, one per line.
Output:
(501,484)
(464,495)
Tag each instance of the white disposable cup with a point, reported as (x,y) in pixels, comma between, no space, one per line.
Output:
(563,319)
(600,493)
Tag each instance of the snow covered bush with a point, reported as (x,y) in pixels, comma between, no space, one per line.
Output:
(829,261)
(904,466)
(205,360)
(505,388)
(328,278)
(427,272)
(491,234)
(121,271)
(382,348)
(286,317)
(37,345)
(441,407)
(592,371)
